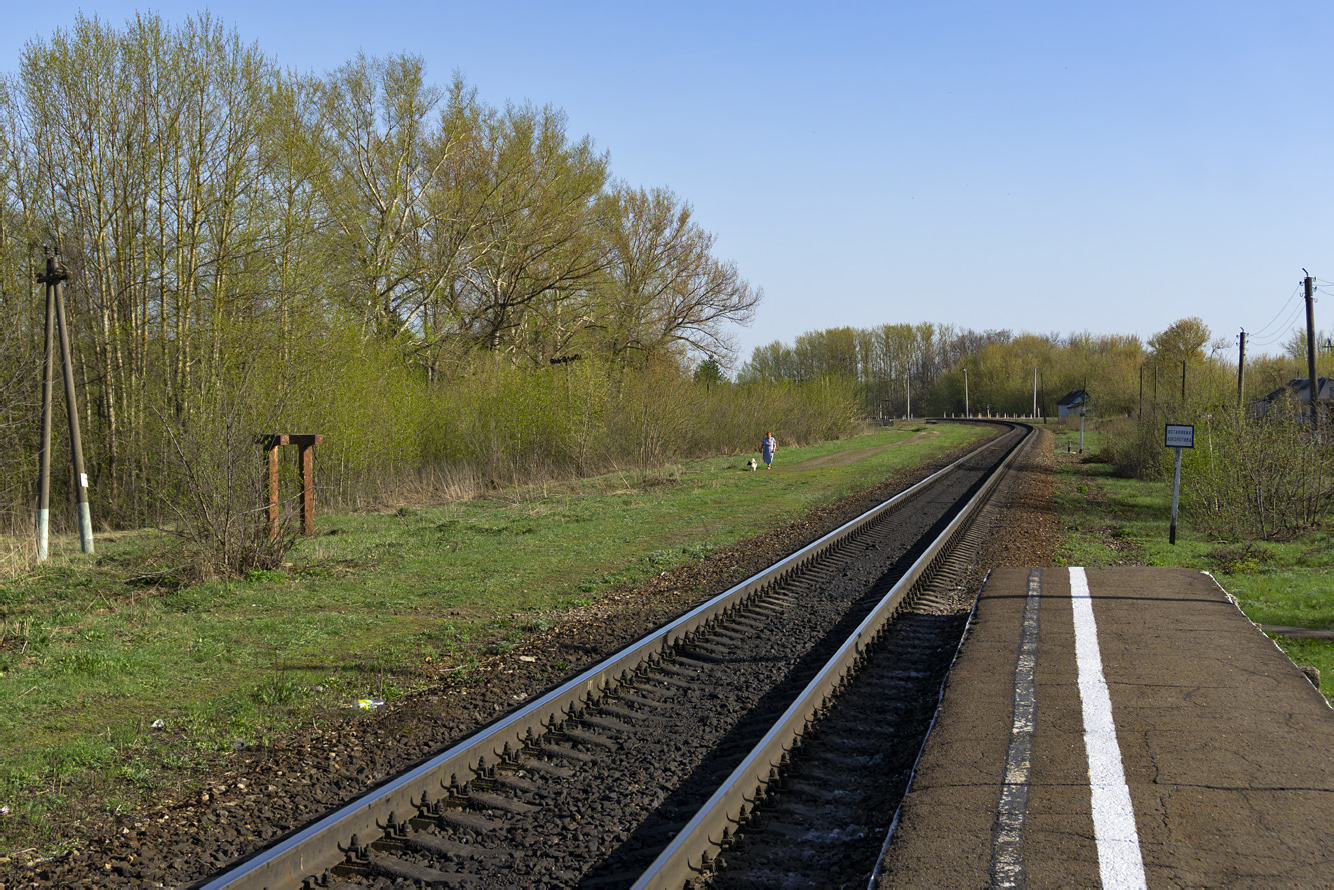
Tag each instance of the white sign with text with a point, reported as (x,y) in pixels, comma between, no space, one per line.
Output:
(1179,435)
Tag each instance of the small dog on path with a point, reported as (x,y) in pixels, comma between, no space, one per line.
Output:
(752,464)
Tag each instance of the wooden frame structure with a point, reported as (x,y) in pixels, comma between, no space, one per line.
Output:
(305,443)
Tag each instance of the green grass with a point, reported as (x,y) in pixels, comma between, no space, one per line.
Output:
(376,604)
(1109,520)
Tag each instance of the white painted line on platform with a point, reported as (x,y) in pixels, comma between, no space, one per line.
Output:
(1007,845)
(1119,855)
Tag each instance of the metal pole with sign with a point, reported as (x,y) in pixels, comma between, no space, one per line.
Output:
(1177,436)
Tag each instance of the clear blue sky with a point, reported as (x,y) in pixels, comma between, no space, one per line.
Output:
(1040,166)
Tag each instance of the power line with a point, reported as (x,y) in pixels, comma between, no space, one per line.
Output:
(1284,330)
(1295,291)
(1270,341)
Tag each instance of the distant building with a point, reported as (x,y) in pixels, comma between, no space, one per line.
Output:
(1072,403)
(1297,394)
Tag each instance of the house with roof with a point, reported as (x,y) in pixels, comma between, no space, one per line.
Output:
(1296,396)
(1072,402)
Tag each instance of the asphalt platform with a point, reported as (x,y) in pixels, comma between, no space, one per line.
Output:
(1124,727)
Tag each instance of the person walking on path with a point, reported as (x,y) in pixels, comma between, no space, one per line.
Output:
(767,449)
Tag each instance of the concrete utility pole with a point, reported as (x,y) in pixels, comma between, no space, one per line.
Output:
(1241,365)
(1309,283)
(48,372)
(966,413)
(53,279)
(907,381)
(1035,393)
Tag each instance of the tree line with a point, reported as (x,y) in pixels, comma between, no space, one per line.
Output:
(1257,471)
(932,363)
(318,251)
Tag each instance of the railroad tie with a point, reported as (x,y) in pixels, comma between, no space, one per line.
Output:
(394,867)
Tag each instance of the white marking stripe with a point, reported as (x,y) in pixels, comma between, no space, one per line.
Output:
(1119,854)
(1007,847)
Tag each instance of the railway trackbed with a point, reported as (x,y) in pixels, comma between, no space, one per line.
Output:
(701,740)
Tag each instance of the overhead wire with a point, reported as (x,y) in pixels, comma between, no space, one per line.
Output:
(1262,330)
(1284,330)
(1277,337)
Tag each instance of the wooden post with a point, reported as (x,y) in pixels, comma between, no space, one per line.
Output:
(273,490)
(307,458)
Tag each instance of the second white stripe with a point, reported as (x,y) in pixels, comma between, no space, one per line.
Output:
(1119,856)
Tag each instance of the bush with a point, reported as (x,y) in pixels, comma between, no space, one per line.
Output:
(1136,449)
(214,489)
(1247,477)
(1257,477)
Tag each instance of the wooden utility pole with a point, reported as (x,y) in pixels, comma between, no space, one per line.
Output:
(1309,283)
(1241,366)
(1141,393)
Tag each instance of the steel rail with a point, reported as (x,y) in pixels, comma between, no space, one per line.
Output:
(692,852)
(326,842)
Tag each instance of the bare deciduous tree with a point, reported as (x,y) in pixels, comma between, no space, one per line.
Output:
(664,289)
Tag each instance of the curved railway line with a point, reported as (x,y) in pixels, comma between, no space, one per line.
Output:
(715,750)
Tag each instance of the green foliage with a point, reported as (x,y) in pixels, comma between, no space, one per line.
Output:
(926,362)
(1182,341)
(441,287)
(1248,476)
(709,373)
(1258,477)
(509,424)
(1238,560)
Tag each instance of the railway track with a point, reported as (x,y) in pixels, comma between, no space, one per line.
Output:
(643,769)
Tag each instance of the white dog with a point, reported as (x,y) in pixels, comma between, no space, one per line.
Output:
(752,464)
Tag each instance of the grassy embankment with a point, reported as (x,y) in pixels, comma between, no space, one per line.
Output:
(92,653)
(1109,520)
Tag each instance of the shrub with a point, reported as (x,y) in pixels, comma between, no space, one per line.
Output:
(1247,476)
(1262,477)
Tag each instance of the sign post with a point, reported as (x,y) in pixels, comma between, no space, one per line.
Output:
(1177,436)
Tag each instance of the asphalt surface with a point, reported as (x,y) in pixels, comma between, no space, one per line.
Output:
(1209,750)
